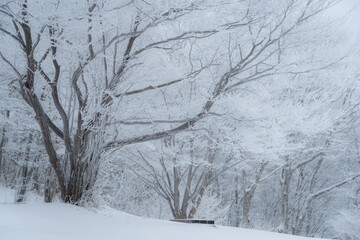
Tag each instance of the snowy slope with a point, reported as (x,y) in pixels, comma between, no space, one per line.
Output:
(37,221)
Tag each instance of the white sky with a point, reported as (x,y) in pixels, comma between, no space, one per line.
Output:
(349,10)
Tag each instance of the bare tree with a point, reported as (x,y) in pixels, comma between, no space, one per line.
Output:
(182,184)
(249,191)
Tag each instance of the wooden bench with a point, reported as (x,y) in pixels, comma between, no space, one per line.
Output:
(194,221)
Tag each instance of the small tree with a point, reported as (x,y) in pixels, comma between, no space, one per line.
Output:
(181,172)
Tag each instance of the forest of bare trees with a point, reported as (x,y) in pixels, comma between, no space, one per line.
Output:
(244,111)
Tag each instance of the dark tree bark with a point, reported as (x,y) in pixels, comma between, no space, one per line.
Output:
(25,174)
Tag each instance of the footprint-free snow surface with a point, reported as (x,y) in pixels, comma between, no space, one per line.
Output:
(66,222)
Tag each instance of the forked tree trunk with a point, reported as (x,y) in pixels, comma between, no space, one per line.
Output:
(249,192)
(75,187)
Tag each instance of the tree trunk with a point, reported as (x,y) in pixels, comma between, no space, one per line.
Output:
(49,188)
(246,211)
(285,184)
(76,184)
(249,193)
(24,173)
(21,192)
(237,202)
(2,144)
(35,177)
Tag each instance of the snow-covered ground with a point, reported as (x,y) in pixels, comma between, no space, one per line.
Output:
(40,221)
